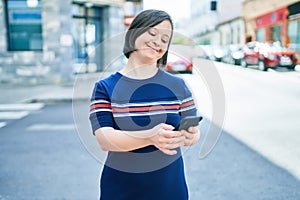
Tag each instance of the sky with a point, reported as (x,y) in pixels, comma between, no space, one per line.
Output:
(176,8)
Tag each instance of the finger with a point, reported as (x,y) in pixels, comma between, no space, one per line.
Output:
(186,133)
(188,142)
(189,135)
(175,143)
(171,134)
(192,129)
(170,143)
(169,151)
(167,127)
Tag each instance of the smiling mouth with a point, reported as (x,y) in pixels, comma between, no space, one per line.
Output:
(156,50)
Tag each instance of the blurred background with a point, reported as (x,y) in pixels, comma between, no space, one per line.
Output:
(240,58)
(47,41)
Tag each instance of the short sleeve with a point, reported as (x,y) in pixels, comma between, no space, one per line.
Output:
(100,108)
(187,105)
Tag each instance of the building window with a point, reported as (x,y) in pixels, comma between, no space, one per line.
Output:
(260,34)
(294,34)
(275,33)
(24,25)
(88,32)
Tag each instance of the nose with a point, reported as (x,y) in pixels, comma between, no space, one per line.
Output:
(155,41)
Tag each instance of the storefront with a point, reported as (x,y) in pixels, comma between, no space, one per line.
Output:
(43,41)
(272,26)
(294,26)
(88,31)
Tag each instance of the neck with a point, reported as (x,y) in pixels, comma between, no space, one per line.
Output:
(137,70)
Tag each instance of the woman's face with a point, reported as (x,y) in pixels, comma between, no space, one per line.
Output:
(153,44)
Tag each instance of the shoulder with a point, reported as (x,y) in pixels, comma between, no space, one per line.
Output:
(173,81)
(109,81)
(171,78)
(175,84)
(106,85)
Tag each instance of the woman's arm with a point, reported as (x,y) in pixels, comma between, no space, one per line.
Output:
(162,136)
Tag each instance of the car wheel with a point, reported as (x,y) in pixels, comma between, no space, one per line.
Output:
(233,61)
(236,62)
(262,66)
(243,63)
(292,67)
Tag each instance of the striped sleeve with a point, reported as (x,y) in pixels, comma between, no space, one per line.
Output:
(100,108)
(187,106)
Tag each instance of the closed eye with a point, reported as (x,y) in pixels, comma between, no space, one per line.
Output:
(165,39)
(151,32)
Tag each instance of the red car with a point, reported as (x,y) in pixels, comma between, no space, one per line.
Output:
(177,64)
(267,55)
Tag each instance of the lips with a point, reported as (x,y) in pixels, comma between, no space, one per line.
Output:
(154,49)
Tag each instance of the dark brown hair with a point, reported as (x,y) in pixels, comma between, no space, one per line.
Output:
(142,23)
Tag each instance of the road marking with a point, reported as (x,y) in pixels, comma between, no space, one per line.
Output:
(13,115)
(21,106)
(17,111)
(2,124)
(51,127)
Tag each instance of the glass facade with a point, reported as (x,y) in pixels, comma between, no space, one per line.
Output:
(260,34)
(294,35)
(24,25)
(88,33)
(275,33)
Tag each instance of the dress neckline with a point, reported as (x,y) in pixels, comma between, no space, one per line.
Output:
(159,71)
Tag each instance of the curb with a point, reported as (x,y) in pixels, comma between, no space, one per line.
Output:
(56,100)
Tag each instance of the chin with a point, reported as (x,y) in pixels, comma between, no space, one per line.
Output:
(150,58)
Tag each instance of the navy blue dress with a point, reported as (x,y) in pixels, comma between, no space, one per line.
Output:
(131,105)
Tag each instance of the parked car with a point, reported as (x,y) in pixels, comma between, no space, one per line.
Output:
(266,55)
(178,64)
(205,52)
(218,53)
(233,54)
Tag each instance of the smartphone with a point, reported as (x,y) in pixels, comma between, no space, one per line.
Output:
(189,121)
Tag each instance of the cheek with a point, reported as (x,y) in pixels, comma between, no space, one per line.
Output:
(165,46)
(139,42)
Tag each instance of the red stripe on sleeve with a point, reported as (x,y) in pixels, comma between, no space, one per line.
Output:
(100,105)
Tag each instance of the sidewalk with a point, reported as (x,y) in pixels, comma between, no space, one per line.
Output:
(79,89)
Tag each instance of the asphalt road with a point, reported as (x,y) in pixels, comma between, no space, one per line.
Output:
(261,108)
(43,158)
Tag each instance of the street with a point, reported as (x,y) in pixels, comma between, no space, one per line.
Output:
(45,156)
(42,158)
(261,110)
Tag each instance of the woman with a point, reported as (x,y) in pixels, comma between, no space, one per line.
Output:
(133,114)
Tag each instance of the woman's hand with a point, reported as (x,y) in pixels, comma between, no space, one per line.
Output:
(166,140)
(161,136)
(192,135)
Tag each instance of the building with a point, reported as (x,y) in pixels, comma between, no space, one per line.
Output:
(293,32)
(232,31)
(204,21)
(217,22)
(231,26)
(49,40)
(274,20)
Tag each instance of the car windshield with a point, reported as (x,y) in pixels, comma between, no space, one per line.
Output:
(274,47)
(235,48)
